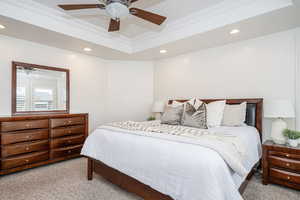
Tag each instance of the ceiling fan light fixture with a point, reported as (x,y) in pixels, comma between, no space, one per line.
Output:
(2,26)
(117,10)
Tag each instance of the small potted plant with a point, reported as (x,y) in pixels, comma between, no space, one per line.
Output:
(292,136)
(151,118)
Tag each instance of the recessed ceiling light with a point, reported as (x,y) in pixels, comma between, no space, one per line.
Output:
(163,51)
(234,31)
(2,26)
(87,49)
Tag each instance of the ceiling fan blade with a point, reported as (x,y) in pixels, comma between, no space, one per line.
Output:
(81,6)
(114,25)
(151,17)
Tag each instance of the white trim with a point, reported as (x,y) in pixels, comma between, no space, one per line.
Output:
(225,13)
(297,75)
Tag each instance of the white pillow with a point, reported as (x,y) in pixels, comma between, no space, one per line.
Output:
(215,111)
(235,115)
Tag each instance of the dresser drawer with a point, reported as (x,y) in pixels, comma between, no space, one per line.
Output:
(285,163)
(284,155)
(24,159)
(284,175)
(67,131)
(27,147)
(67,141)
(24,136)
(64,152)
(24,125)
(66,121)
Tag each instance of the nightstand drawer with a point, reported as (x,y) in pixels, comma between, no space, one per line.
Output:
(284,163)
(283,175)
(284,155)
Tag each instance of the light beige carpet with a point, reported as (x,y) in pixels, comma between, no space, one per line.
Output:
(67,181)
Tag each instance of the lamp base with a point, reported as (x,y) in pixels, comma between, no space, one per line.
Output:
(277,131)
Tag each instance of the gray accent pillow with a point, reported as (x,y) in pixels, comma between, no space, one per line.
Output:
(194,118)
(172,115)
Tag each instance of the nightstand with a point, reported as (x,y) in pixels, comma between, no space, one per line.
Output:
(281,165)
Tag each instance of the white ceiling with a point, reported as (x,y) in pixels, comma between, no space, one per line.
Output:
(132,26)
(205,23)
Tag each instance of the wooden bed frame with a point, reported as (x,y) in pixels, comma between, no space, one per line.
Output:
(146,192)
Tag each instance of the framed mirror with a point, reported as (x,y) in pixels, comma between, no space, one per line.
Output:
(39,89)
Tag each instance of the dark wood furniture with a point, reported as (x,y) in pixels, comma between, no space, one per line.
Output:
(146,192)
(31,141)
(281,165)
(14,89)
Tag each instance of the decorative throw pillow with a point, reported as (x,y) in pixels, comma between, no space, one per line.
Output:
(234,115)
(194,118)
(215,112)
(172,115)
(194,101)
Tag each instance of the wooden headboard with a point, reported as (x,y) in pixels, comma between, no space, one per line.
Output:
(254,110)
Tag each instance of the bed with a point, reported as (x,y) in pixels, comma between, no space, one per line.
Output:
(146,166)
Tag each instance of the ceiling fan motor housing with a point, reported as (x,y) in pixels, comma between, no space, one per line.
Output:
(117,9)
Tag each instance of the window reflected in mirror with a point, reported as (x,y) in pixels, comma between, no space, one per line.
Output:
(40,90)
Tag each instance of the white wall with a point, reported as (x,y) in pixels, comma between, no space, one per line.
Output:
(263,67)
(96,84)
(130,88)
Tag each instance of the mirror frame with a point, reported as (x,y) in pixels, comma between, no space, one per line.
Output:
(14,89)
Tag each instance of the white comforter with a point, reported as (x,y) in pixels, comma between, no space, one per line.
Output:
(181,170)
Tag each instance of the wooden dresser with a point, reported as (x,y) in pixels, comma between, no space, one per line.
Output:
(32,141)
(281,165)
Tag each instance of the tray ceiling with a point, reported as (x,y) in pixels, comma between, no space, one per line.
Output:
(205,23)
(132,26)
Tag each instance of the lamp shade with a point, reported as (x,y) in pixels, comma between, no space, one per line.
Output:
(158,107)
(279,109)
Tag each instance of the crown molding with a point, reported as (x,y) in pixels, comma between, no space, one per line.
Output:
(39,15)
(225,13)
(220,15)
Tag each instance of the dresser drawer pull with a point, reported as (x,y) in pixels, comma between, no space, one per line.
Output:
(287,164)
(69,141)
(28,136)
(69,151)
(69,131)
(287,155)
(27,148)
(288,178)
(69,121)
(27,161)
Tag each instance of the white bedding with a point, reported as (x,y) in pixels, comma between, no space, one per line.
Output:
(180,170)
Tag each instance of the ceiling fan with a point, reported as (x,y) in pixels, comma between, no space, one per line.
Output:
(118,9)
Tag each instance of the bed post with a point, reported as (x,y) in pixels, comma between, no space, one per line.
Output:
(90,169)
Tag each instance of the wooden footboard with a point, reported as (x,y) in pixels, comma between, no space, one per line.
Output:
(132,185)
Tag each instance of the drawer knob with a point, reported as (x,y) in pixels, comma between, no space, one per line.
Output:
(27,125)
(69,121)
(27,148)
(28,136)
(287,155)
(287,164)
(69,141)
(288,178)
(26,160)
(69,151)
(69,131)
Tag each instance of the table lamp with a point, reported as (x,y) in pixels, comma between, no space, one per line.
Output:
(279,110)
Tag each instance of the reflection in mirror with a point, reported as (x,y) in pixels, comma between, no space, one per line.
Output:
(40,89)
